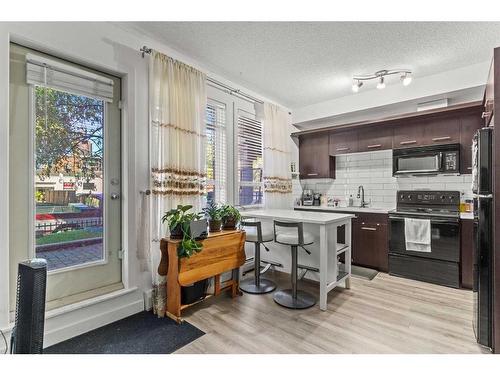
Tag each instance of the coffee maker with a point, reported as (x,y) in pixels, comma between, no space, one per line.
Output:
(307,197)
(316,199)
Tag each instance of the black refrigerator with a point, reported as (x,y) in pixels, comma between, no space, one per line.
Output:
(482,185)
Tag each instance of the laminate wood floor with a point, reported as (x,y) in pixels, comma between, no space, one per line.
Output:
(385,315)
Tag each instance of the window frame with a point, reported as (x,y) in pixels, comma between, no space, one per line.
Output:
(233,106)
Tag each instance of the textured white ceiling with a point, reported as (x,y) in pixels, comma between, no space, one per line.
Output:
(301,63)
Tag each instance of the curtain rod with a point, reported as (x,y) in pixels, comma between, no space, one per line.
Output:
(213,82)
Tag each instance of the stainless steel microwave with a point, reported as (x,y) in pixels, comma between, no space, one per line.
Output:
(426,160)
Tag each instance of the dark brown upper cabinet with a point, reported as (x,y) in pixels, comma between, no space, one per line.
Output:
(408,134)
(375,138)
(314,158)
(344,142)
(455,124)
(441,130)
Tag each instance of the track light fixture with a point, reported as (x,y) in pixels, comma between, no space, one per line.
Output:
(405,76)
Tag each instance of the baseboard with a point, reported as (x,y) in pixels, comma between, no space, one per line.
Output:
(76,322)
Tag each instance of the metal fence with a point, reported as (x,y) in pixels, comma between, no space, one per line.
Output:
(44,228)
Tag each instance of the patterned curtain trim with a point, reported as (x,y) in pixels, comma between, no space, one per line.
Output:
(276,149)
(178,172)
(175,182)
(175,127)
(277,185)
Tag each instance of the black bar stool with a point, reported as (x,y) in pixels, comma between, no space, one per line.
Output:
(255,234)
(293,298)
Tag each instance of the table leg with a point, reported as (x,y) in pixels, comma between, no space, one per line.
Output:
(348,254)
(235,291)
(323,266)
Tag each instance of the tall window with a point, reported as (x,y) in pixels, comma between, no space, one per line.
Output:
(216,152)
(249,151)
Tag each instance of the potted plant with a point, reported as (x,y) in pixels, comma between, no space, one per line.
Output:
(230,217)
(179,222)
(174,218)
(213,212)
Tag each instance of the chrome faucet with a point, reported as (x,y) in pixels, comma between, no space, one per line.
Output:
(361,194)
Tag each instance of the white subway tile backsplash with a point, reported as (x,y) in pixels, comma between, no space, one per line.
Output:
(373,170)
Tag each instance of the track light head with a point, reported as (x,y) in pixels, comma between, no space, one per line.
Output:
(406,79)
(356,85)
(381,83)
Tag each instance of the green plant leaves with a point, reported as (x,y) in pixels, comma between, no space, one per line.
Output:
(179,216)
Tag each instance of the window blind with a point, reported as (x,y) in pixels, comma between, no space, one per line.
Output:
(216,132)
(53,74)
(250,164)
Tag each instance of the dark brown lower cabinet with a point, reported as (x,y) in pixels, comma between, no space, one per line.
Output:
(466,244)
(369,241)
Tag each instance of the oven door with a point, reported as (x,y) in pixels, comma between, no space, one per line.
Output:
(445,238)
(417,163)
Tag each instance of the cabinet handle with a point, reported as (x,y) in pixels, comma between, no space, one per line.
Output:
(485,114)
(312,174)
(368,228)
(441,138)
(407,142)
(374,146)
(342,148)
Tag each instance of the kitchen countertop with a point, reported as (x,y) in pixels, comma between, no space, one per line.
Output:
(372,210)
(466,215)
(304,217)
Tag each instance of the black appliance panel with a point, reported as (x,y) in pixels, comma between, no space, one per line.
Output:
(427,160)
(445,238)
(422,269)
(482,267)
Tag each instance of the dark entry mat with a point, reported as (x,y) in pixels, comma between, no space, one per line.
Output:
(142,333)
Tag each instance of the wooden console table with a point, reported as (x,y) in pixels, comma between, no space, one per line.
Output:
(222,252)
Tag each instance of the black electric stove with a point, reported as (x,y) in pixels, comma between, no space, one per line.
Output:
(442,210)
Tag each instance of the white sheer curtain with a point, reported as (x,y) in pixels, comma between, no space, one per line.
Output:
(177,102)
(277,158)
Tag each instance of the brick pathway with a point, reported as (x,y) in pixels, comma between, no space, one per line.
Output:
(71,256)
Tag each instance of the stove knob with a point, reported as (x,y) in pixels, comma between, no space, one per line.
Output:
(443,197)
(409,196)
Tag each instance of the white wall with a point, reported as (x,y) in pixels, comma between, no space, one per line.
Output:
(429,86)
(113,49)
(373,170)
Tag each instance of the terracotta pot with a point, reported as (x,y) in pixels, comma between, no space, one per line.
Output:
(229,223)
(214,225)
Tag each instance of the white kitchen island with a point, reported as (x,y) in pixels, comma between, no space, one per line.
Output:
(327,223)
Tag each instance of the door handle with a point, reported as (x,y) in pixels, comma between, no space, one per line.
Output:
(407,142)
(437,139)
(115,196)
(485,114)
